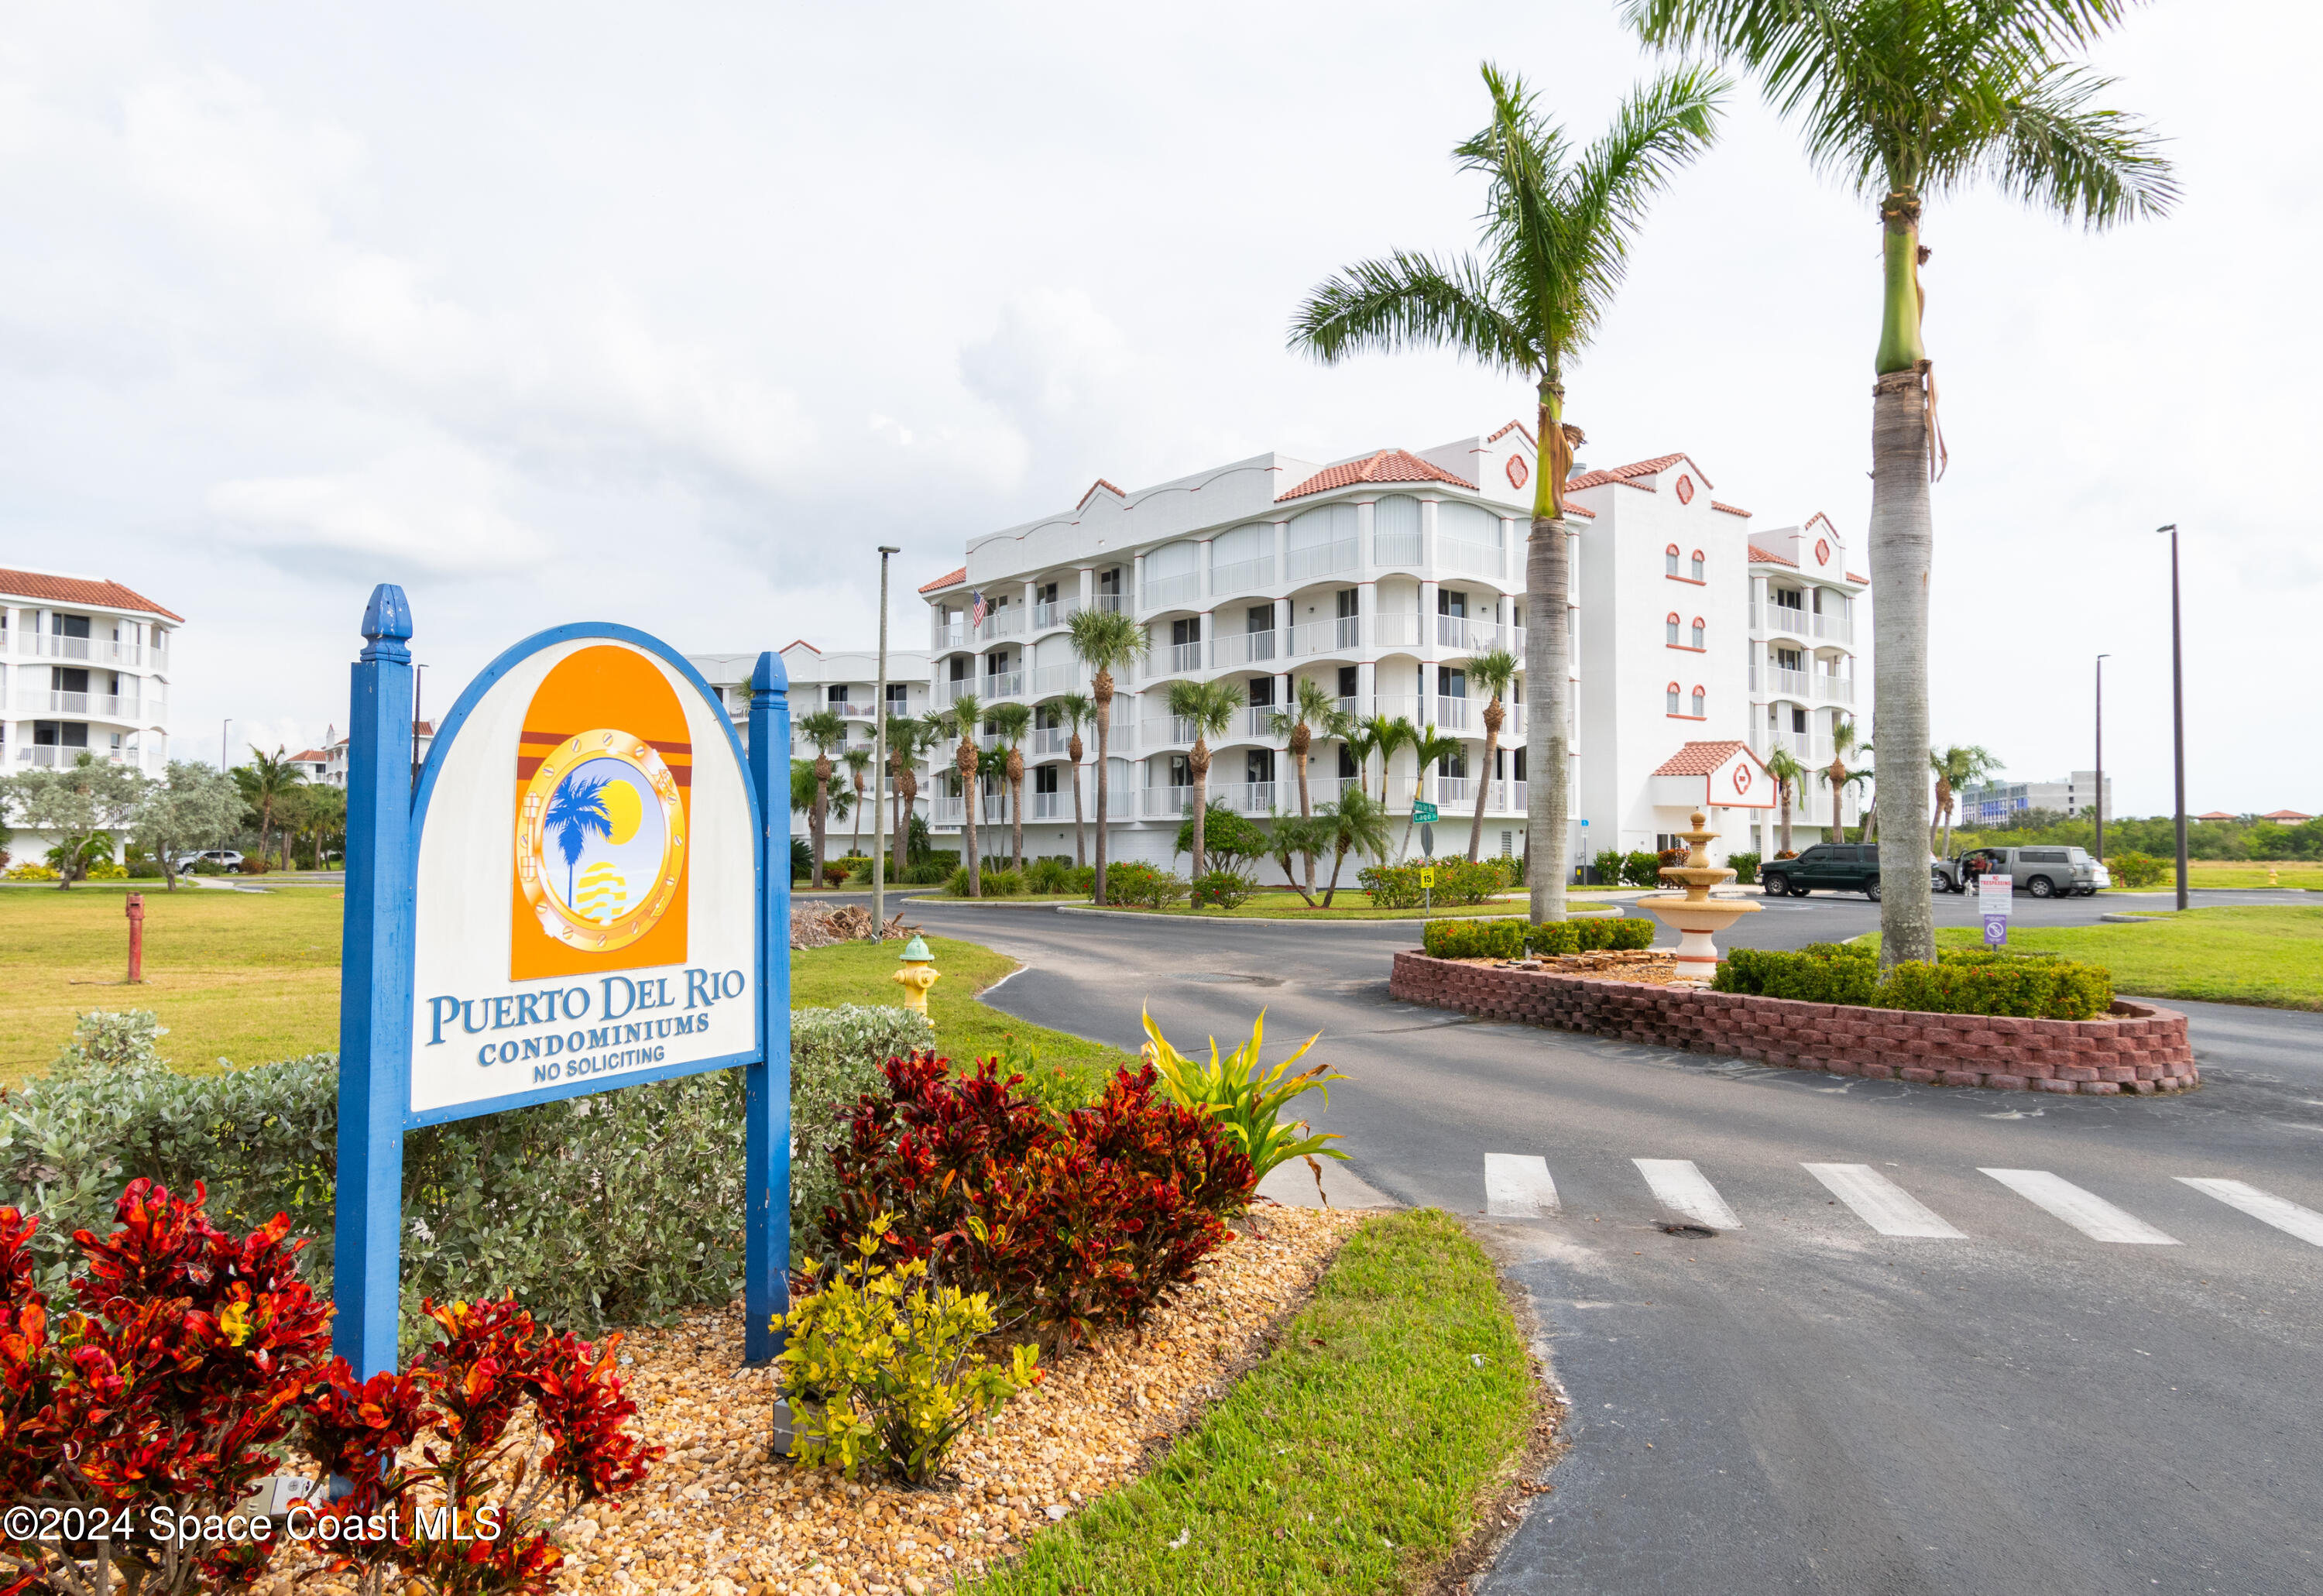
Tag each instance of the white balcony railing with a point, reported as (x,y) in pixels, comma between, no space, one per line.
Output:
(1787,684)
(95,650)
(1045,616)
(1253,797)
(1834,690)
(1063,678)
(1323,559)
(954,636)
(1256,720)
(1396,629)
(1240,576)
(1166,803)
(1468,634)
(949,692)
(1394,704)
(1456,791)
(1172,592)
(1003,684)
(1835,629)
(1184,659)
(1794,623)
(1166,731)
(1238,649)
(1469,559)
(106,706)
(1395,548)
(1052,806)
(1342,635)
(1456,714)
(1109,604)
(1050,742)
(948,810)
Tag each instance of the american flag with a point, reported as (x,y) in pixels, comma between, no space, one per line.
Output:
(978,610)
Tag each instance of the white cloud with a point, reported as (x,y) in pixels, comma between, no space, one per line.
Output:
(434,509)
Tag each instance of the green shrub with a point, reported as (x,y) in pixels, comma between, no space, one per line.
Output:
(1141,885)
(1607,863)
(927,873)
(1594,935)
(1220,889)
(1083,880)
(1245,1100)
(1474,938)
(956,883)
(1745,867)
(1457,882)
(101,1041)
(1390,886)
(1046,876)
(651,1176)
(2134,869)
(1821,972)
(2030,988)
(1004,883)
(1642,868)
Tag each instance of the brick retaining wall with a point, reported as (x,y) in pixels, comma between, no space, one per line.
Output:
(2139,1048)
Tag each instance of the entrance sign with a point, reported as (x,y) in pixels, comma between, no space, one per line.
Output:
(576,899)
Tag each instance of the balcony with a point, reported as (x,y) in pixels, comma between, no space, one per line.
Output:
(1052,806)
(1324,559)
(1003,684)
(1468,559)
(947,693)
(1342,635)
(1834,629)
(1454,714)
(954,636)
(1050,742)
(1395,705)
(1182,659)
(1045,616)
(1255,721)
(104,706)
(1109,604)
(1466,636)
(1833,689)
(1397,628)
(1243,649)
(1166,803)
(95,650)
(1240,576)
(1783,684)
(1255,798)
(1063,678)
(1173,592)
(1395,548)
(1004,622)
(1789,622)
(1169,731)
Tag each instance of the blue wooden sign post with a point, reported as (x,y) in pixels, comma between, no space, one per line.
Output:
(589,889)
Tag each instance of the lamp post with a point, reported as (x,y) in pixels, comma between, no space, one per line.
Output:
(2177,707)
(879,765)
(2100,800)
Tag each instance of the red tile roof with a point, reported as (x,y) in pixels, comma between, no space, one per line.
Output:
(2286,814)
(801,643)
(1389,466)
(310,756)
(1518,426)
(1866,580)
(75,590)
(1730,509)
(2216,815)
(1701,758)
(1094,486)
(1759,556)
(1627,475)
(952,580)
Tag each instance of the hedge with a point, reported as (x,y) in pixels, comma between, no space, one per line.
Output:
(1963,981)
(1473,938)
(1510,938)
(616,1208)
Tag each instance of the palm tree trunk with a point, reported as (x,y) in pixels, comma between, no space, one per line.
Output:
(1548,648)
(1306,812)
(1199,759)
(966,761)
(1016,818)
(1338,859)
(1101,688)
(1485,781)
(1902,534)
(1785,791)
(1080,851)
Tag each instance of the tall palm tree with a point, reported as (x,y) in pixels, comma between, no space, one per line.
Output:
(1104,640)
(960,719)
(1355,823)
(1428,746)
(1210,706)
(1787,771)
(1492,671)
(907,739)
(1955,767)
(826,732)
(1013,722)
(1074,711)
(1361,740)
(1313,711)
(858,764)
(266,783)
(1907,99)
(1557,226)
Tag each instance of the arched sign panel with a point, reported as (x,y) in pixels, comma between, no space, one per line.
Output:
(575,899)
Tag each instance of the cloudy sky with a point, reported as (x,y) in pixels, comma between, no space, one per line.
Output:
(670,315)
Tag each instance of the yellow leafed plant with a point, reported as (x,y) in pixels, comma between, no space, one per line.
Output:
(1246,1102)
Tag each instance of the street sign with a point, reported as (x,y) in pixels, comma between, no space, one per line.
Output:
(1995,930)
(1427,879)
(1995,901)
(1428,840)
(1422,811)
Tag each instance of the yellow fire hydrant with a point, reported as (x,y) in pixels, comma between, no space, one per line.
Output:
(918,974)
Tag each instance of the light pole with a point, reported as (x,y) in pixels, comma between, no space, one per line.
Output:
(225,740)
(2177,708)
(879,766)
(2100,850)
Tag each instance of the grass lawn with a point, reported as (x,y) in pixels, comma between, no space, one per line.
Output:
(1350,1460)
(1290,905)
(2265,954)
(254,977)
(2238,873)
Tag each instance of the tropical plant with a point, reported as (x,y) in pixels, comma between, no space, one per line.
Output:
(1313,711)
(1210,706)
(1355,823)
(1493,671)
(76,801)
(1014,723)
(1290,836)
(826,732)
(858,767)
(1956,767)
(1557,226)
(1245,1100)
(265,782)
(908,740)
(575,810)
(1907,99)
(1382,735)
(959,719)
(1074,711)
(1787,771)
(1228,840)
(1104,640)
(1428,746)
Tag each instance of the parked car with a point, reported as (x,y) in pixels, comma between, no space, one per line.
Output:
(1834,866)
(224,858)
(2037,872)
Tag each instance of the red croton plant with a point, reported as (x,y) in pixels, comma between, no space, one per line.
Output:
(134,1424)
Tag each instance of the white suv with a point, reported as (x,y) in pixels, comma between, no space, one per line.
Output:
(224,858)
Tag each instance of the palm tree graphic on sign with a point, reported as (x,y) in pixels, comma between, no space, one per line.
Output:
(576,809)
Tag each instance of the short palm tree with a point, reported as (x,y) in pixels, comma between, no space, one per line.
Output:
(1013,722)
(1382,735)
(1314,711)
(1557,226)
(1074,711)
(1106,641)
(1907,99)
(266,783)
(907,739)
(1956,767)
(959,719)
(1787,773)
(858,765)
(1836,775)
(1492,671)
(826,732)
(1210,706)
(1428,746)
(1357,824)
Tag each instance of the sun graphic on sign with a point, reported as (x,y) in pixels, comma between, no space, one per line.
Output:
(602,840)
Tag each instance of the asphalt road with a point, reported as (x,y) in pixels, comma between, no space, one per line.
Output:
(1799,1401)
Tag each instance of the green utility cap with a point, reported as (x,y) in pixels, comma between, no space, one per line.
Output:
(915,951)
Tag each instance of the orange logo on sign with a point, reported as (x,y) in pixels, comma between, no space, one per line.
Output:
(603,774)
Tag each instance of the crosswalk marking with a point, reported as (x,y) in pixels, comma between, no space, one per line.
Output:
(1518,1187)
(1684,1189)
(2282,1213)
(2085,1211)
(1881,1204)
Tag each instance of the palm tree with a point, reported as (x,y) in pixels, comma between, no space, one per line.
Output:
(1313,711)
(1955,767)
(826,732)
(1382,735)
(1355,823)
(1075,709)
(858,762)
(1013,722)
(1104,640)
(960,719)
(575,809)
(1210,706)
(1492,671)
(1905,99)
(266,783)
(1558,227)
(907,739)
(1428,746)
(1836,775)
(1787,773)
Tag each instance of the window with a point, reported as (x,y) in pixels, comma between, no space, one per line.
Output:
(1451,602)
(1700,698)
(1669,561)
(1347,680)
(898,695)
(1044,777)
(1262,693)
(1046,593)
(1670,698)
(1697,564)
(1346,764)
(1450,683)
(1182,632)
(1669,629)
(836,696)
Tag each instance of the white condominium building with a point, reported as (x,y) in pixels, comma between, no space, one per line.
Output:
(84,668)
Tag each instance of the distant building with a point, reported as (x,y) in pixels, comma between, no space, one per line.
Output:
(334,754)
(1996,803)
(2288,817)
(84,669)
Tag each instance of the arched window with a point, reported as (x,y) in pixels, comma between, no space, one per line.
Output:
(1697,564)
(1669,628)
(1670,698)
(1698,632)
(1669,560)
(1700,698)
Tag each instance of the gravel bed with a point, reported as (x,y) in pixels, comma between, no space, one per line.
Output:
(719,1519)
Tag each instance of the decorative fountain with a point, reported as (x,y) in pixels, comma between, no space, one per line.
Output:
(1694,914)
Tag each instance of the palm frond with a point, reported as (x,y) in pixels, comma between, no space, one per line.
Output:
(2100,166)
(1410,301)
